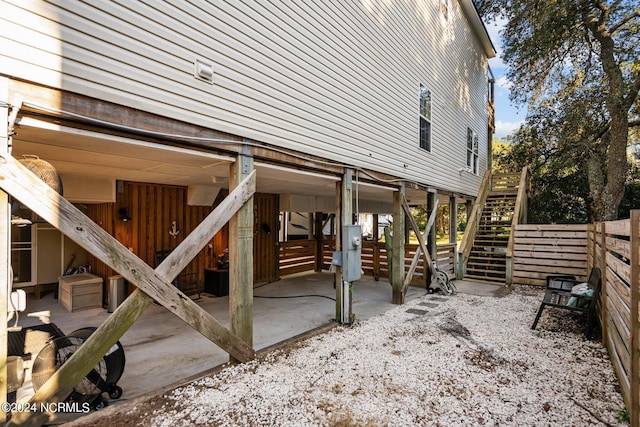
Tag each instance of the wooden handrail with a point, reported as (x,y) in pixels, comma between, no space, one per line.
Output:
(472,226)
(520,208)
(519,213)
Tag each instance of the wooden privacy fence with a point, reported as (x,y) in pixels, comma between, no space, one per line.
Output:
(299,255)
(540,250)
(615,247)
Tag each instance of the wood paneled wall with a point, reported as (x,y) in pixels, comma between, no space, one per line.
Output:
(265,238)
(153,208)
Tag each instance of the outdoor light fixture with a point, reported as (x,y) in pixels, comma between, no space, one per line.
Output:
(123,215)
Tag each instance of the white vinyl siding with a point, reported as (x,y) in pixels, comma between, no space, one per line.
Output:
(332,79)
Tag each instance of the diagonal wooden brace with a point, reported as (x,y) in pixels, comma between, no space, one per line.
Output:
(423,247)
(16,180)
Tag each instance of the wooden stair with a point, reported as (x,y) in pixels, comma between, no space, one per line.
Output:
(487,259)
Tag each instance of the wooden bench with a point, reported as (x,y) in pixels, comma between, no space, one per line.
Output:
(558,294)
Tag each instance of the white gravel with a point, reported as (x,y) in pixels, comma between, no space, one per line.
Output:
(460,360)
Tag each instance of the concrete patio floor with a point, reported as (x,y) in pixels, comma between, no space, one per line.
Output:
(161,350)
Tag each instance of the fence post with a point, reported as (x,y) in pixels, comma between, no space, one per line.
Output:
(603,267)
(5,251)
(635,324)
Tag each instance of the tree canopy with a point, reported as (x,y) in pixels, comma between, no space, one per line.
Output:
(576,64)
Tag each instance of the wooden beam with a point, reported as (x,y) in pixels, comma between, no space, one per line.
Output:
(319,237)
(422,248)
(453,228)
(338,244)
(5,238)
(604,293)
(344,196)
(433,202)
(241,257)
(63,215)
(398,242)
(376,247)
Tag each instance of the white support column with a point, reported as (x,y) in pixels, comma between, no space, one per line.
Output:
(5,251)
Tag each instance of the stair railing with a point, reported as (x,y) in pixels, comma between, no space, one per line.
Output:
(472,225)
(519,217)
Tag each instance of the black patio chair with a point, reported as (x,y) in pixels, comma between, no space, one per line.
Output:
(559,293)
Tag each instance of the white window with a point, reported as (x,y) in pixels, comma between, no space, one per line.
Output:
(472,151)
(425,118)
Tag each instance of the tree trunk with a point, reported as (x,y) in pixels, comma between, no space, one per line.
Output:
(618,103)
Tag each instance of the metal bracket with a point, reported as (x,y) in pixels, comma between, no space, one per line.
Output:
(15,108)
(245,157)
(348,178)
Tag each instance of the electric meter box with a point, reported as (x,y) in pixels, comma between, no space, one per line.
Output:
(351,253)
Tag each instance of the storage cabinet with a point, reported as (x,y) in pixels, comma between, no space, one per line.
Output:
(80,291)
(216,282)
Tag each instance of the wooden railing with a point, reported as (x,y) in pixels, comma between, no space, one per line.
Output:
(519,217)
(508,183)
(446,258)
(297,256)
(472,225)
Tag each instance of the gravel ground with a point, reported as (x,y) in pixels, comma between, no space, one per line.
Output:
(441,361)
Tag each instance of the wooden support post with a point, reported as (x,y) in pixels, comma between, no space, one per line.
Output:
(319,237)
(422,249)
(337,280)
(344,211)
(241,257)
(634,375)
(398,242)
(432,232)
(603,268)
(5,238)
(453,228)
(375,236)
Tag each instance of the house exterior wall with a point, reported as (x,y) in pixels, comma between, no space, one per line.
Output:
(338,80)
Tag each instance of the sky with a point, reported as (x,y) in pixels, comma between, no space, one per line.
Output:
(508,116)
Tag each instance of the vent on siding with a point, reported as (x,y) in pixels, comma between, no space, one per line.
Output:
(203,71)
